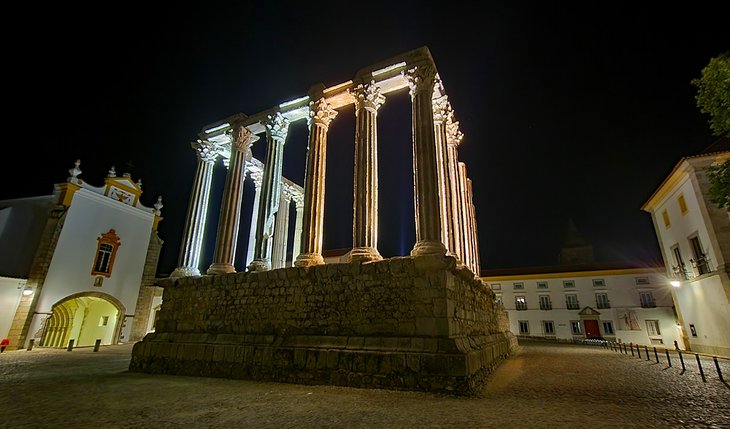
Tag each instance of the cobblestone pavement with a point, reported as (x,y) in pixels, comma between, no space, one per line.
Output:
(543,386)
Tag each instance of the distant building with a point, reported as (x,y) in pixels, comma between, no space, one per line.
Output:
(79,264)
(694,237)
(568,302)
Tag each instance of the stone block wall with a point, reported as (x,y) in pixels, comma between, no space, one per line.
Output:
(416,323)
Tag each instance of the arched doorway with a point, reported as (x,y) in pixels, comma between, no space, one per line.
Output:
(84,318)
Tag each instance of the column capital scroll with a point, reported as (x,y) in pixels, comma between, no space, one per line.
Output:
(441,109)
(420,78)
(322,112)
(453,134)
(367,96)
(277,126)
(205,150)
(241,137)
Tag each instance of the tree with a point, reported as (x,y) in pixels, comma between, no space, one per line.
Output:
(720,184)
(713,93)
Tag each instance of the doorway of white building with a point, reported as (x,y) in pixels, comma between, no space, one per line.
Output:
(83,318)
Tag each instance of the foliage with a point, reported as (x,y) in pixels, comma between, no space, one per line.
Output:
(713,93)
(720,184)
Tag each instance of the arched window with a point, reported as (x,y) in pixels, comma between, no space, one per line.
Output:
(106,250)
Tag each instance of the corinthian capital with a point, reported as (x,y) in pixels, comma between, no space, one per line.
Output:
(367,96)
(205,150)
(241,137)
(277,126)
(441,109)
(420,79)
(321,112)
(453,134)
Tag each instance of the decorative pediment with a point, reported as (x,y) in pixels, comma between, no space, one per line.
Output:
(123,189)
(588,311)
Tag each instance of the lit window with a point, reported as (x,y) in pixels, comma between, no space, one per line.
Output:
(652,328)
(682,204)
(548,327)
(498,298)
(575,327)
(106,250)
(104,320)
(665,216)
(607,327)
(520,302)
(524,327)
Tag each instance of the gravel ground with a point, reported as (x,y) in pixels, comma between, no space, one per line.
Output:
(543,386)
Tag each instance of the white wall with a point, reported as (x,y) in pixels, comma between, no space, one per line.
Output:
(10,292)
(704,304)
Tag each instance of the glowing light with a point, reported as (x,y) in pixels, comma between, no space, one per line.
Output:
(389,68)
(675,283)
(295,101)
(28,291)
(219,127)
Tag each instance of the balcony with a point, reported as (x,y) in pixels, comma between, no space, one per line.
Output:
(701,264)
(603,304)
(572,306)
(520,306)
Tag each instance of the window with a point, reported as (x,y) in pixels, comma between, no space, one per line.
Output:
(599,283)
(700,261)
(568,283)
(607,327)
(524,327)
(679,270)
(571,301)
(545,303)
(518,286)
(103,320)
(682,204)
(542,285)
(575,327)
(496,286)
(642,280)
(498,298)
(652,328)
(693,330)
(520,302)
(106,250)
(647,300)
(665,216)
(602,301)
(548,327)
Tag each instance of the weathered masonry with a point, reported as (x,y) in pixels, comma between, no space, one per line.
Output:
(421,322)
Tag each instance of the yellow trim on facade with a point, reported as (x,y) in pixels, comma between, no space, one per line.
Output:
(572,274)
(67,193)
(669,184)
(156,222)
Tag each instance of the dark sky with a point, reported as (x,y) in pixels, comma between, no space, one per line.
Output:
(569,112)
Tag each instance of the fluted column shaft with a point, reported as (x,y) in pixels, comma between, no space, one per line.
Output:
(426,199)
(297,244)
(454,137)
(225,243)
(465,224)
(281,232)
(440,114)
(474,234)
(321,114)
(192,240)
(277,128)
(365,201)
(257,180)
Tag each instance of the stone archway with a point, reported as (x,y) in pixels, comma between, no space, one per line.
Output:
(84,317)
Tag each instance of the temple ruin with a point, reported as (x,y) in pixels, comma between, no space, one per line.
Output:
(418,322)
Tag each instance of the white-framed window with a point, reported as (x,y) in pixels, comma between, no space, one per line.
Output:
(599,283)
(642,281)
(548,327)
(518,286)
(652,328)
(524,327)
(647,300)
(568,284)
(520,302)
(607,327)
(576,327)
(498,298)
(571,301)
(496,286)
(602,300)
(542,285)
(545,303)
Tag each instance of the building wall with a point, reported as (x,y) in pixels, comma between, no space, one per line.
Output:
(711,328)
(11,290)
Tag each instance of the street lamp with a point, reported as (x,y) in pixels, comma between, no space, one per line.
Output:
(675,283)
(28,291)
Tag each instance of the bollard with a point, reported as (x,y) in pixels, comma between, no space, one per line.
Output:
(70,345)
(717,366)
(681,360)
(669,361)
(646,350)
(638,351)
(631,346)
(30,344)
(97,344)
(656,355)
(699,364)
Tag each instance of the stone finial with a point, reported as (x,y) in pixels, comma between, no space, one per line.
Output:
(112,172)
(75,172)
(139,183)
(127,175)
(158,206)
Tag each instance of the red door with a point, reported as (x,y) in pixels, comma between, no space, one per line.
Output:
(591,328)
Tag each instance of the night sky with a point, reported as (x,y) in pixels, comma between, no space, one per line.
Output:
(569,112)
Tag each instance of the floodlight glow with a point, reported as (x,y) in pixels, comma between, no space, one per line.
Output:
(675,283)
(295,101)
(219,127)
(389,68)
(28,291)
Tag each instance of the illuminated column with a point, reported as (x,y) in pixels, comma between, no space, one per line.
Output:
(441,112)
(225,243)
(453,138)
(257,178)
(192,241)
(281,230)
(425,172)
(277,127)
(463,203)
(474,235)
(297,245)
(365,201)
(321,114)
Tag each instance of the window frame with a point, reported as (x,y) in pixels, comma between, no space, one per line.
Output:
(111,239)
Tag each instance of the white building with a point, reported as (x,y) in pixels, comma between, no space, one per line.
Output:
(566,302)
(694,237)
(79,264)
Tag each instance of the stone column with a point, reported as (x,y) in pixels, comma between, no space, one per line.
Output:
(281,230)
(365,201)
(441,110)
(453,138)
(277,127)
(297,245)
(321,114)
(257,178)
(474,234)
(425,172)
(225,243)
(192,240)
(463,203)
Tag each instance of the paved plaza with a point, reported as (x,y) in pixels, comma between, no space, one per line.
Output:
(544,385)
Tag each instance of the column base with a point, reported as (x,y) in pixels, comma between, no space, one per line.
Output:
(364,254)
(429,247)
(185,272)
(259,265)
(309,259)
(220,268)
(459,262)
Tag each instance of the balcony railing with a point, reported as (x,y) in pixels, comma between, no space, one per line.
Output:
(648,303)
(701,264)
(572,305)
(546,306)
(603,304)
(520,306)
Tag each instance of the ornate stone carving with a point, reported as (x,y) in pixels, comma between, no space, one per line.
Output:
(205,150)
(112,172)
(453,134)
(420,78)
(75,172)
(257,176)
(241,137)
(158,206)
(367,96)
(277,126)
(321,112)
(441,109)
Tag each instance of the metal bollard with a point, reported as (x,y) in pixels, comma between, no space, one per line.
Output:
(669,361)
(681,359)
(638,351)
(70,345)
(646,350)
(631,346)
(699,364)
(30,344)
(656,355)
(97,344)
(717,366)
